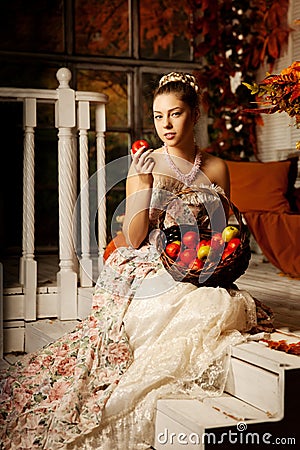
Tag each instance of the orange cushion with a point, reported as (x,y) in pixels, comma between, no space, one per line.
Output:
(297,199)
(118,241)
(257,186)
(277,235)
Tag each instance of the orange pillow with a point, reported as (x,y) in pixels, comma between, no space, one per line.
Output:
(257,186)
(118,241)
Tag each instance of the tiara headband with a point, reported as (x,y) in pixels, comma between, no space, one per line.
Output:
(178,76)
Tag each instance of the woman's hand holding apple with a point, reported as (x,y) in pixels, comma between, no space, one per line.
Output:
(141,159)
(138,145)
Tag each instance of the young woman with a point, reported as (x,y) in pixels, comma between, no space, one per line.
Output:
(147,336)
(176,110)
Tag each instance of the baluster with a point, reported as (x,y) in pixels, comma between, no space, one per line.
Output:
(65,122)
(101,181)
(86,264)
(74,190)
(28,265)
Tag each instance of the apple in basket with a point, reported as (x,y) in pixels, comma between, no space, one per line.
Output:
(188,255)
(203,252)
(201,244)
(172,249)
(197,264)
(229,233)
(139,144)
(232,245)
(190,239)
(217,241)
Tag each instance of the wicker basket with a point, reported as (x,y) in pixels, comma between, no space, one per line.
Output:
(216,272)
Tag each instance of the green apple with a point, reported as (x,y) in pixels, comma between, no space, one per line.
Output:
(203,251)
(229,233)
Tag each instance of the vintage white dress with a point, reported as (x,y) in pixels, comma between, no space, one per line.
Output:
(147,337)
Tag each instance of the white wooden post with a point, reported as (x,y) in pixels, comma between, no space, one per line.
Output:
(101,181)
(74,188)
(28,265)
(86,264)
(65,121)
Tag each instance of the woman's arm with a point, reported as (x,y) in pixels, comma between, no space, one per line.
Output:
(138,196)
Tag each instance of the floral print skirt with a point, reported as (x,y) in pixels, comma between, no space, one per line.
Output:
(52,396)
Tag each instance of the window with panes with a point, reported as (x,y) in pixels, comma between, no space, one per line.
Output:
(118,47)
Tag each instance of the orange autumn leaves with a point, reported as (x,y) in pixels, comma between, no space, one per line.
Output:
(279,93)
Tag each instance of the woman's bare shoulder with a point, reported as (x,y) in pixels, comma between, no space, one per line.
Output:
(216,170)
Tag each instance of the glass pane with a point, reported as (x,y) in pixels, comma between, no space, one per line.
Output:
(165,29)
(101,27)
(32,75)
(11,188)
(116,146)
(113,84)
(150,81)
(33,26)
(117,167)
(46,184)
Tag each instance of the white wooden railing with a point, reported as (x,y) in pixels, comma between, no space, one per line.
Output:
(72,120)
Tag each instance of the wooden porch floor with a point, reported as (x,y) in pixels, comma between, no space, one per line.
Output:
(262,280)
(278,291)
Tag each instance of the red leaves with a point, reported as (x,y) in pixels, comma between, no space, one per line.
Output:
(283,346)
(296,93)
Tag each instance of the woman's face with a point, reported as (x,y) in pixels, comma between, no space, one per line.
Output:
(173,120)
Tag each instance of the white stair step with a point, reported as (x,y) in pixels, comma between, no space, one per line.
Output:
(255,393)
(43,332)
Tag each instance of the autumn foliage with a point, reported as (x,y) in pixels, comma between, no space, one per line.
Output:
(227,37)
(235,37)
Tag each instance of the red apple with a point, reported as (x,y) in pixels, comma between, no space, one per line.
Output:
(181,264)
(217,241)
(225,254)
(233,244)
(173,249)
(201,244)
(139,144)
(197,264)
(190,239)
(187,255)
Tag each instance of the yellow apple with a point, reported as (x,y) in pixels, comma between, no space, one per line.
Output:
(229,233)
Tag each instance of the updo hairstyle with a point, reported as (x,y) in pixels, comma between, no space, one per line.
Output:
(184,85)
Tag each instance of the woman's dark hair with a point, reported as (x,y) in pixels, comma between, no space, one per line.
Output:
(183,85)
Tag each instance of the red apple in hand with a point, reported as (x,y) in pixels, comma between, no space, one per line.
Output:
(139,144)
(190,239)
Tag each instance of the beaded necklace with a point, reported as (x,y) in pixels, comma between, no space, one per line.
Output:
(190,177)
